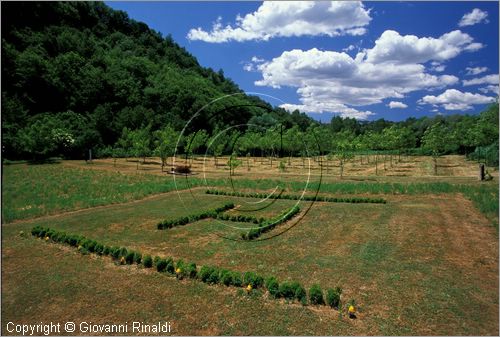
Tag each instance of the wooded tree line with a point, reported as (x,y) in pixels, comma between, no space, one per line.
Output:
(79,76)
(428,136)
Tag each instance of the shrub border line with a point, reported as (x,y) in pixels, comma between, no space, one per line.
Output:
(289,290)
(352,200)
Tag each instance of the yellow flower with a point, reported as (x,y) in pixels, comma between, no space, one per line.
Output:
(122,260)
(352,309)
(178,271)
(249,287)
(46,238)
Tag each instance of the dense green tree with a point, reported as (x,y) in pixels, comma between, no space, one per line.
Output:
(345,144)
(438,140)
(165,143)
(44,137)
(141,143)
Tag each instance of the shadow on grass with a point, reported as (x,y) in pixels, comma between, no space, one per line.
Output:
(45,161)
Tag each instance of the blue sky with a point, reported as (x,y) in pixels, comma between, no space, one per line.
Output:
(350,59)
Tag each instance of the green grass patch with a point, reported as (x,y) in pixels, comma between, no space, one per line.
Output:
(30,191)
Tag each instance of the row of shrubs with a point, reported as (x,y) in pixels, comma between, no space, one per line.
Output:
(240,218)
(289,290)
(214,213)
(268,225)
(87,246)
(354,200)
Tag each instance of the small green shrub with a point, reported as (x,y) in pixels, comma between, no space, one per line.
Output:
(73,240)
(299,292)
(179,264)
(170,266)
(191,270)
(272,286)
(333,297)
(316,294)
(148,261)
(99,248)
(161,265)
(237,281)
(123,252)
(92,246)
(35,231)
(286,290)
(226,277)
(214,276)
(106,250)
(205,273)
(115,252)
(253,279)
(83,250)
(129,258)
(137,257)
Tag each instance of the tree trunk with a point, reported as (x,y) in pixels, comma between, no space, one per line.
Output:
(435,166)
(481,172)
(341,169)
(376,164)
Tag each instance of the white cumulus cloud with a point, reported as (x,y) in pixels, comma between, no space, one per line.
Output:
(453,99)
(397,105)
(490,88)
(290,18)
(437,67)
(392,47)
(333,81)
(488,79)
(474,17)
(475,70)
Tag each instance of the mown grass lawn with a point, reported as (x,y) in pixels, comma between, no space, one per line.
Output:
(420,264)
(30,191)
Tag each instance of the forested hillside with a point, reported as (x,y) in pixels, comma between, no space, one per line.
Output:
(90,71)
(80,75)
